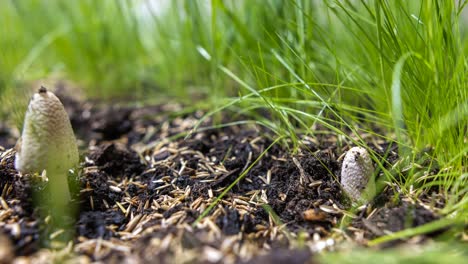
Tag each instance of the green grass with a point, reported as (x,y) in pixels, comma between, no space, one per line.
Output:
(394,69)
(433,253)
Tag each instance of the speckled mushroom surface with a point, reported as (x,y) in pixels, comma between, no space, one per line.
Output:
(356,174)
(47,138)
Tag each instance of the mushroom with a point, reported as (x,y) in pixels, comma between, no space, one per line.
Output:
(357,175)
(47,141)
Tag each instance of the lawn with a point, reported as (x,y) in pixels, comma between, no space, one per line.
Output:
(215,131)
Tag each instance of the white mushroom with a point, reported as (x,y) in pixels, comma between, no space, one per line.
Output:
(357,174)
(47,141)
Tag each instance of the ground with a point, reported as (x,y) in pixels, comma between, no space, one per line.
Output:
(144,181)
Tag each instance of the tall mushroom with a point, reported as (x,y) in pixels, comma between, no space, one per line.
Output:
(47,142)
(357,175)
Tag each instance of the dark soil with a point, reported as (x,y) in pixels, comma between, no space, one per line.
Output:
(141,188)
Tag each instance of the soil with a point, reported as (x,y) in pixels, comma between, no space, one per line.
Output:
(143,184)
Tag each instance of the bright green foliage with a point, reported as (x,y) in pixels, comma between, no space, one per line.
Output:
(431,254)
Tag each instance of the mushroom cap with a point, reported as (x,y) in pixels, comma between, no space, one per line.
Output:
(47,140)
(356,174)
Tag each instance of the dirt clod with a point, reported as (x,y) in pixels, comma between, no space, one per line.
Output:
(95,224)
(116,159)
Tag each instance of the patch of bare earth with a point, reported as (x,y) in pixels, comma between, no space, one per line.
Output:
(142,185)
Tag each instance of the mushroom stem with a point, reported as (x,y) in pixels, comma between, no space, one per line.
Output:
(59,188)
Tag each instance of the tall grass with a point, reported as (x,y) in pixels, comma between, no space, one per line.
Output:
(357,66)
(395,69)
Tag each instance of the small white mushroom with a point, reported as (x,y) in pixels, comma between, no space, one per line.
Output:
(357,174)
(47,141)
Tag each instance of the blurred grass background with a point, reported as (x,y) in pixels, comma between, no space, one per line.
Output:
(395,69)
